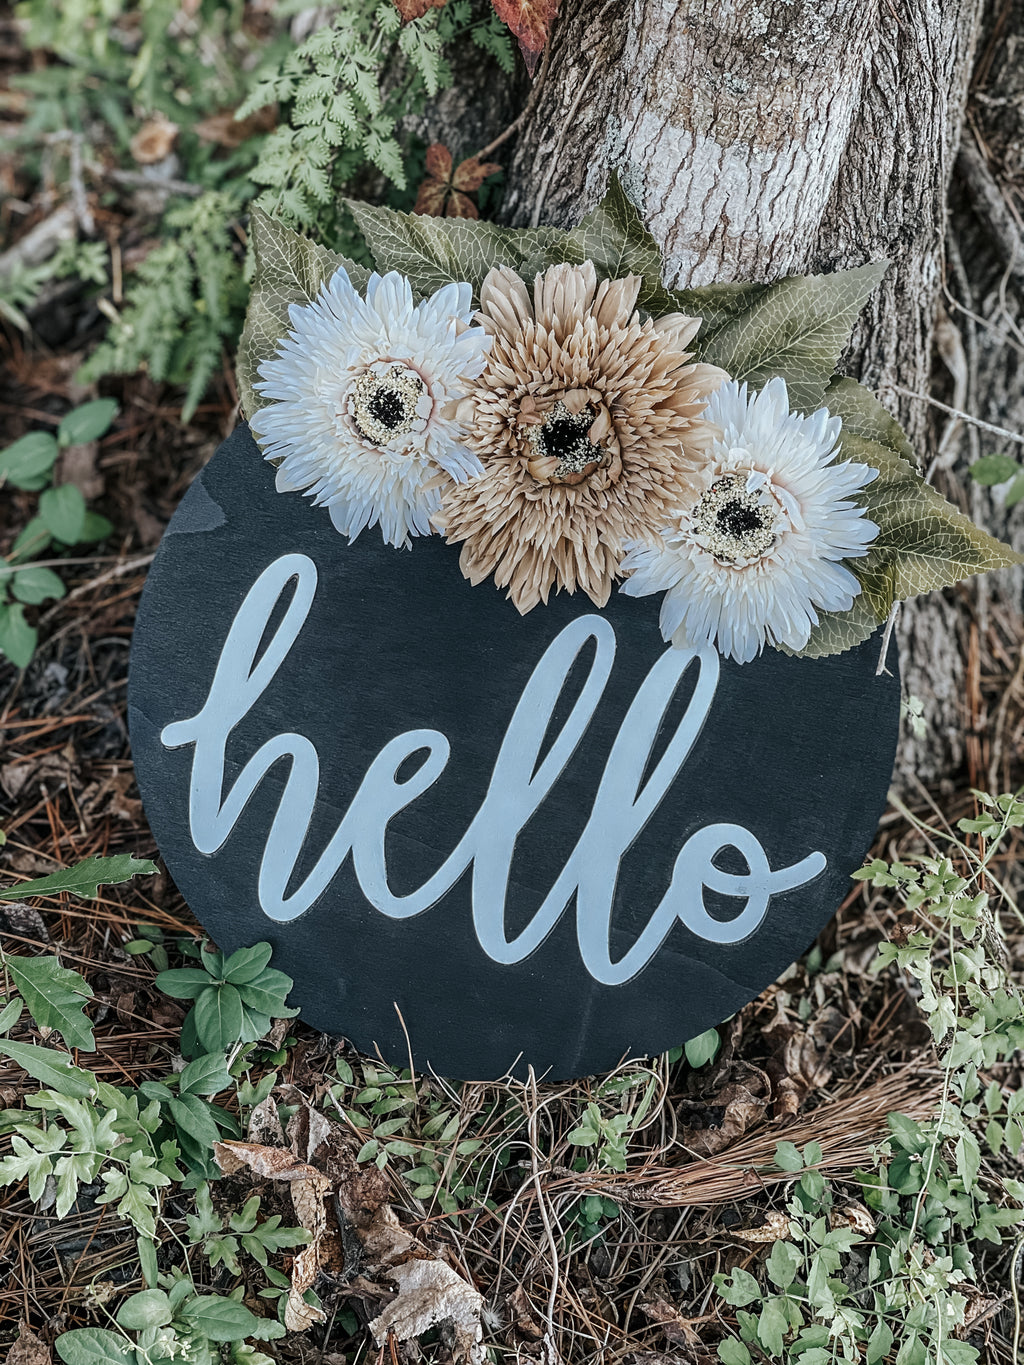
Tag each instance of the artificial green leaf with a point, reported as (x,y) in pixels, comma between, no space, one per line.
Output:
(798,327)
(615,237)
(94,1346)
(62,512)
(34,585)
(148,1308)
(87,423)
(923,543)
(218,1016)
(703,1048)
(434,252)
(84,879)
(27,463)
(288,269)
(55,997)
(54,1070)
(18,639)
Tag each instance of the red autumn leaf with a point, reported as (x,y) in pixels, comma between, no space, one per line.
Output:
(459,206)
(439,162)
(530,22)
(431,197)
(444,191)
(416,9)
(471,173)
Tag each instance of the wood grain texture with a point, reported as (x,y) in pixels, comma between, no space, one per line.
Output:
(770,138)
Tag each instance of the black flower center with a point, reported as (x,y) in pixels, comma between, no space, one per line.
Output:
(562,436)
(737,524)
(383,402)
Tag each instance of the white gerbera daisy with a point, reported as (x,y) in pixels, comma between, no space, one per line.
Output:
(364,392)
(752,556)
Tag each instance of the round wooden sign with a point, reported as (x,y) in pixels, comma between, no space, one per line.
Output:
(545,840)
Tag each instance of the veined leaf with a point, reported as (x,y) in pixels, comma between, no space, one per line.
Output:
(84,879)
(923,542)
(288,269)
(50,1068)
(798,328)
(55,997)
(437,251)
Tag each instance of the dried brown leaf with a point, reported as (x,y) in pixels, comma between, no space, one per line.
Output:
(677,1329)
(416,9)
(153,141)
(430,198)
(28,1349)
(460,206)
(775,1228)
(470,174)
(439,162)
(530,22)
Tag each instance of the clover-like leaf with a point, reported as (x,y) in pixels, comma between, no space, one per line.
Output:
(437,251)
(798,328)
(288,269)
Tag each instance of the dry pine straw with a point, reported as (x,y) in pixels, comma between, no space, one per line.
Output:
(68,794)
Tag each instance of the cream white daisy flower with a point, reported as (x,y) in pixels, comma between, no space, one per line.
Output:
(753,553)
(363,393)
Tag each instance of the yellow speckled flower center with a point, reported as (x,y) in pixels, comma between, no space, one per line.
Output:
(733,523)
(383,404)
(562,436)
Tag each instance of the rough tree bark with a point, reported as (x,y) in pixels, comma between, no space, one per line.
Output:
(764,139)
(769,137)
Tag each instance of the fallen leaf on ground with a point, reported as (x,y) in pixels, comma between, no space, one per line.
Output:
(28,1349)
(775,1228)
(310,1189)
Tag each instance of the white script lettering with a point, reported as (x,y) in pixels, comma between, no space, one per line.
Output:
(520,782)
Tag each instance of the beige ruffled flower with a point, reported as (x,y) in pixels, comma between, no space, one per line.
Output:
(587,422)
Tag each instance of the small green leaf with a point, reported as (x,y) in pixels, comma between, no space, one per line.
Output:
(33,540)
(788,1157)
(94,1346)
(94,528)
(62,511)
(87,423)
(1015,492)
(54,1070)
(218,1014)
(34,585)
(703,1048)
(993,469)
(84,879)
(225,1320)
(205,1076)
(27,463)
(55,997)
(148,1308)
(18,639)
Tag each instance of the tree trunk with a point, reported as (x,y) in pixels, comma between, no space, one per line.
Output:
(788,136)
